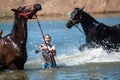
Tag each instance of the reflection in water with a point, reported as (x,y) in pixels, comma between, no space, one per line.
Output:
(13,75)
(48,74)
(42,74)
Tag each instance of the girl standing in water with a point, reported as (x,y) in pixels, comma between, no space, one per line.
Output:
(48,53)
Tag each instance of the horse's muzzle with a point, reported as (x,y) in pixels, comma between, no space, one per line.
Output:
(37,7)
(69,24)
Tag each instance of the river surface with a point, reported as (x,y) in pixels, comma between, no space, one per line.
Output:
(91,64)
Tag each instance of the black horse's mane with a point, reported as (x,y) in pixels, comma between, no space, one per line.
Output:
(89,19)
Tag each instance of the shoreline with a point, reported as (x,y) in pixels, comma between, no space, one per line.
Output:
(62,17)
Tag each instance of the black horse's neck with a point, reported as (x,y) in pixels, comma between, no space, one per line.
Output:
(19,31)
(88,22)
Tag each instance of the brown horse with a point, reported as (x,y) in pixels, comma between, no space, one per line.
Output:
(13,54)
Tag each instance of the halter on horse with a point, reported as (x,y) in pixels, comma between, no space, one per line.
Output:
(13,52)
(95,32)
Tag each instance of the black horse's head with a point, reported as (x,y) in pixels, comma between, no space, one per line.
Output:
(28,11)
(75,17)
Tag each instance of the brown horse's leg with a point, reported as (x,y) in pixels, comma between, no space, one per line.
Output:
(10,63)
(20,67)
(2,67)
(12,66)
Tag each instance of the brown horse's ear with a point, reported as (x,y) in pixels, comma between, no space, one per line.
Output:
(14,10)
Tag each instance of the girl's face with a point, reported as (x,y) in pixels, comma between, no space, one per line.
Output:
(47,39)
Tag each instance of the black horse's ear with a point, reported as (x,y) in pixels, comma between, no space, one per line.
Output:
(76,8)
(14,10)
(82,8)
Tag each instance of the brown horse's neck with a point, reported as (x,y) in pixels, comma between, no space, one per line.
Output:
(19,31)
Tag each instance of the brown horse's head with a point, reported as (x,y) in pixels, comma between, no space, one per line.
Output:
(28,11)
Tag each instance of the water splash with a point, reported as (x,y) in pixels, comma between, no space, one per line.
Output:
(95,55)
(88,56)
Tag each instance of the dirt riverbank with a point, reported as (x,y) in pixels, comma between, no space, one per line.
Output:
(60,8)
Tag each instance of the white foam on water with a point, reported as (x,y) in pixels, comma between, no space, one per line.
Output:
(34,63)
(89,55)
(95,55)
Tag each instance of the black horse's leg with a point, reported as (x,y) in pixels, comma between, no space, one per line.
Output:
(88,45)
(83,46)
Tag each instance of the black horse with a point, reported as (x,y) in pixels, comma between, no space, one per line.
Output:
(96,33)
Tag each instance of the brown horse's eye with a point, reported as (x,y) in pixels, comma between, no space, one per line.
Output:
(20,8)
